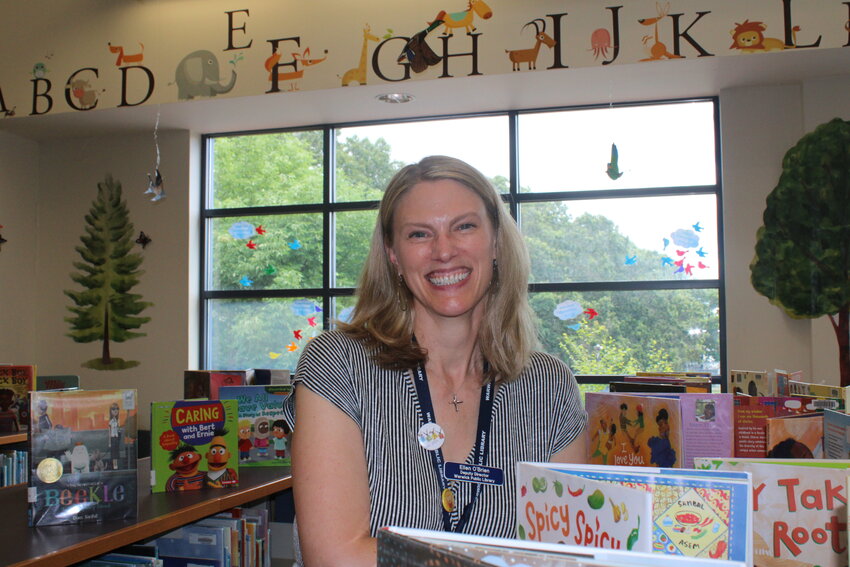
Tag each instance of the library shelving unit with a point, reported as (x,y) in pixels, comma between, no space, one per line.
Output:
(50,546)
(11,438)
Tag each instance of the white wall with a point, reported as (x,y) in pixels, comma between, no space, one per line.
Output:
(19,201)
(758,125)
(69,173)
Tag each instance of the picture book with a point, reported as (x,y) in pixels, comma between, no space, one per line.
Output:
(558,507)
(694,514)
(799,509)
(694,382)
(410,547)
(640,386)
(82,446)
(263,430)
(707,429)
(16,381)
(57,382)
(836,434)
(751,383)
(193,445)
(795,436)
(800,388)
(750,421)
(204,384)
(634,430)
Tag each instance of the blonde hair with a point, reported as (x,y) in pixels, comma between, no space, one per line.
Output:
(507,335)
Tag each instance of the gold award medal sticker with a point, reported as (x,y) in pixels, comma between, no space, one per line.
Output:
(49,470)
(448,499)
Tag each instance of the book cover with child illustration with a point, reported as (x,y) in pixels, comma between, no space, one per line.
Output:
(264,432)
(82,456)
(633,430)
(193,445)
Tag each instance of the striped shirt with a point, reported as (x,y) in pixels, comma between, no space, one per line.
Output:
(534,417)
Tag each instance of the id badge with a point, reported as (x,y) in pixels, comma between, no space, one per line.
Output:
(478,474)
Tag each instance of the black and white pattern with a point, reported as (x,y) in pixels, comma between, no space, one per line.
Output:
(534,417)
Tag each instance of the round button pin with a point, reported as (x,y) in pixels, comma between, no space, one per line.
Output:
(431,436)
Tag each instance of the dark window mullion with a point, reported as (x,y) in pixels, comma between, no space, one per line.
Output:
(328,223)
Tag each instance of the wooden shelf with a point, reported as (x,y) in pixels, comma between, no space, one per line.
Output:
(9,438)
(58,546)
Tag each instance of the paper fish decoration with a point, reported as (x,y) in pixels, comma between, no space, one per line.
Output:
(702,253)
(260,230)
(697,227)
(631,260)
(701,266)
(568,310)
(591,313)
(292,347)
(295,245)
(311,321)
(143,240)
(274,355)
(241,230)
(303,307)
(156,187)
(613,170)
(252,245)
(246,281)
(297,334)
(681,252)
(666,261)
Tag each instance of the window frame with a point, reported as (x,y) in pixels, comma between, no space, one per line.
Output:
(514,199)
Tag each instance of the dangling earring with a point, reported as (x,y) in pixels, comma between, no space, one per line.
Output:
(399,292)
(494,282)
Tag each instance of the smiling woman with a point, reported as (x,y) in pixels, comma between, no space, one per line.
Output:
(441,320)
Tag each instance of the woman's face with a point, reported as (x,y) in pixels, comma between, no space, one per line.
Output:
(444,246)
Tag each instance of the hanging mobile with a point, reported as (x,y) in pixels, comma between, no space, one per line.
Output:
(155,184)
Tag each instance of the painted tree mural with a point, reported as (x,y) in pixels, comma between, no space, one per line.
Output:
(105,310)
(802,261)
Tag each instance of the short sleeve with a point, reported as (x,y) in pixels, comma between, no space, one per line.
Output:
(571,417)
(326,367)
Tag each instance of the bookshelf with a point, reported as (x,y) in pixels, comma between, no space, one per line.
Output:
(58,546)
(11,438)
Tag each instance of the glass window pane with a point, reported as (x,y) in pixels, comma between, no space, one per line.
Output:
(368,156)
(265,252)
(343,307)
(260,170)
(260,333)
(622,332)
(665,145)
(353,236)
(634,239)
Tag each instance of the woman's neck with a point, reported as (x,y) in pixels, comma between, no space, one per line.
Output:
(452,345)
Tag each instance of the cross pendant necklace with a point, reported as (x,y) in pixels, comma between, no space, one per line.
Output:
(456,402)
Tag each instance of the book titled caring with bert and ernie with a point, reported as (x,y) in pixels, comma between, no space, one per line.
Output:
(194,445)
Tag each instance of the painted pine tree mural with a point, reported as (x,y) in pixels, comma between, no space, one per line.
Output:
(105,310)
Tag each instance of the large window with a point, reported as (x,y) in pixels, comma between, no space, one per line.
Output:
(619,205)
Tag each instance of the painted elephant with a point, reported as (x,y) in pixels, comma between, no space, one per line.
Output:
(197,75)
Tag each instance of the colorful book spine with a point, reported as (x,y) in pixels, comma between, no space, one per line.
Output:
(16,381)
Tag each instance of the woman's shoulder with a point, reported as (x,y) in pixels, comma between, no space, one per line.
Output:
(544,364)
(337,344)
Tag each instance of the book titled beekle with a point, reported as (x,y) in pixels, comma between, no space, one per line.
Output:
(82,446)
(193,445)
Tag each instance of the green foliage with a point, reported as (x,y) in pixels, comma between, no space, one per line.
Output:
(802,258)
(105,310)
(592,350)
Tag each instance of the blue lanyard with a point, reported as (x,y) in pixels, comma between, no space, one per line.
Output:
(479,453)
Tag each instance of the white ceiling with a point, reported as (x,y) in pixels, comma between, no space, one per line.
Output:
(458,95)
